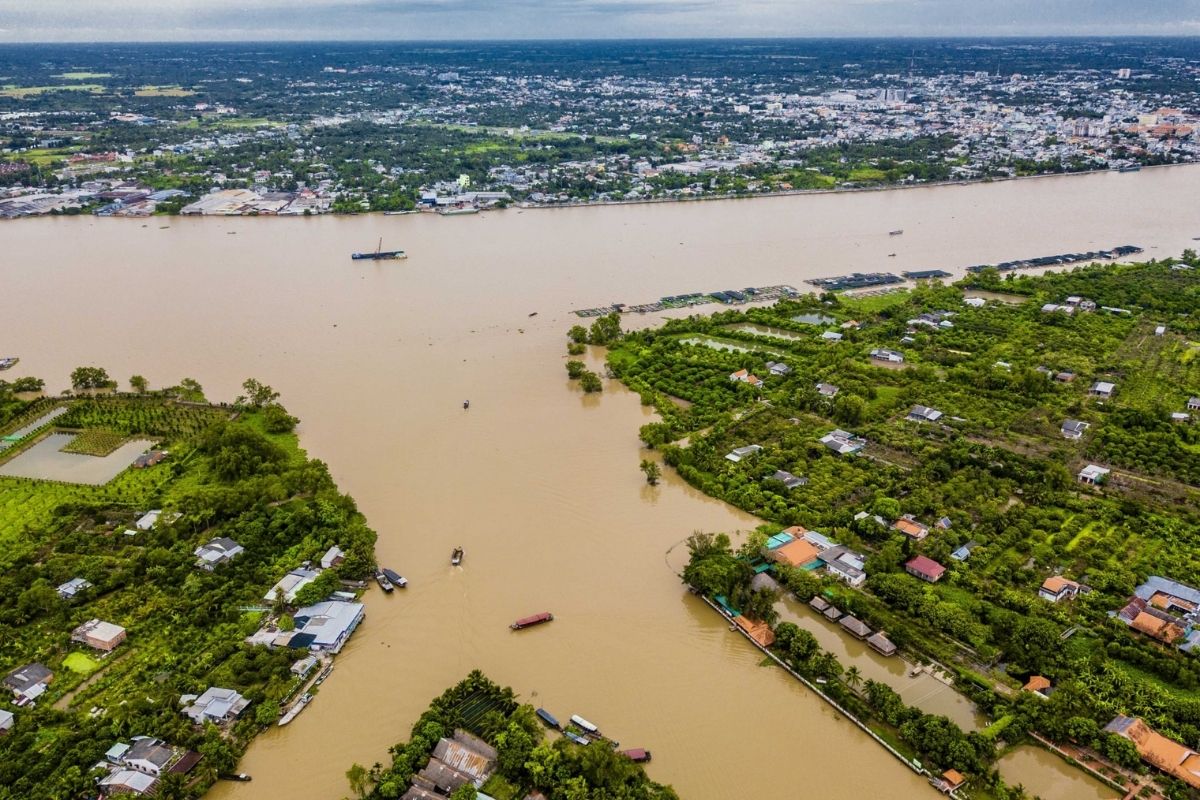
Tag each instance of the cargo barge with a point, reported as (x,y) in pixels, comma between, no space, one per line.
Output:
(529,622)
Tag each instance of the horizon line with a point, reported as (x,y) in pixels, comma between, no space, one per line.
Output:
(570,39)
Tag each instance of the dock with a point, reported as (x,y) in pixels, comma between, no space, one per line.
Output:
(855,280)
(729,297)
(1062,259)
(926,274)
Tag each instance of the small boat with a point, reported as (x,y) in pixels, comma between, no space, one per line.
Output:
(891,255)
(8,362)
(236,776)
(400,213)
(296,709)
(529,622)
(380,254)
(466,404)
(533,314)
(383,582)
(637,754)
(896,232)
(396,579)
(548,719)
(584,725)
(456,557)
(576,738)
(457,212)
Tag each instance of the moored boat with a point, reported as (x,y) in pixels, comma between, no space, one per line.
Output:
(383,582)
(584,725)
(638,754)
(529,622)
(234,776)
(456,556)
(380,254)
(396,579)
(576,738)
(457,212)
(548,719)
(295,710)
(9,362)
(896,232)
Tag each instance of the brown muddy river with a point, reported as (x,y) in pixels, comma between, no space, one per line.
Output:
(539,484)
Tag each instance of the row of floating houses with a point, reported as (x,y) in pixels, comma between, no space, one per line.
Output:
(731,297)
(855,280)
(1059,260)
(876,640)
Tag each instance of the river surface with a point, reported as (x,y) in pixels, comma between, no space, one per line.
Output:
(539,483)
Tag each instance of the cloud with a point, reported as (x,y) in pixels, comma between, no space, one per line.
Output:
(75,20)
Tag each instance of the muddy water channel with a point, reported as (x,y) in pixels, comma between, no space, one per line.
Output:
(537,482)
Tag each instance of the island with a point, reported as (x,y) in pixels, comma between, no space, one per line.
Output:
(175,575)
(995,480)
(477,741)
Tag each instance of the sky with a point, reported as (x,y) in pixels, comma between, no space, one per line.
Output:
(259,20)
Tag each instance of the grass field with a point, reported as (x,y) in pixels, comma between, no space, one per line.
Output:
(163,91)
(21,92)
(81,663)
(867,174)
(83,76)
(871,304)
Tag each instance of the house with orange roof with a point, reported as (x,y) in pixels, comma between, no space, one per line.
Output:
(1039,685)
(760,632)
(1153,625)
(909,526)
(1057,588)
(951,780)
(1157,750)
(799,553)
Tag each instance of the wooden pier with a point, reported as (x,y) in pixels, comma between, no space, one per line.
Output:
(728,297)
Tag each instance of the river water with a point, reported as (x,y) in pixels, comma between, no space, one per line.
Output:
(539,483)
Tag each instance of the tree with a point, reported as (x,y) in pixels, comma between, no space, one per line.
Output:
(606,329)
(653,473)
(853,677)
(360,779)
(259,394)
(575,369)
(590,382)
(139,384)
(465,792)
(277,420)
(89,378)
(578,334)
(190,389)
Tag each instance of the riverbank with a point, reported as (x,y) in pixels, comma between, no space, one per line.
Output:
(377,359)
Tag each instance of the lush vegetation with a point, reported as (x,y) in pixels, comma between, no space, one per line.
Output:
(560,769)
(227,475)
(995,470)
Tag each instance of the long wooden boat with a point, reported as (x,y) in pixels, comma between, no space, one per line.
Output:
(397,580)
(584,725)
(548,719)
(383,582)
(529,622)
(576,738)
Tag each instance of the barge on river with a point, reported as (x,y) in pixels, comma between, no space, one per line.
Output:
(295,710)
(549,720)
(380,254)
(637,754)
(529,622)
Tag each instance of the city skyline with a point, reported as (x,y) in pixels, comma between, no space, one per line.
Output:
(279,20)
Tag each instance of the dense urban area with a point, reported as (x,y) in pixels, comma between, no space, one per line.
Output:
(301,129)
(995,480)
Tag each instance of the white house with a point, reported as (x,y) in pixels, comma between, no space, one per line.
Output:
(890,356)
(333,556)
(738,453)
(924,414)
(147,520)
(216,705)
(6,721)
(68,590)
(291,583)
(1093,474)
(1073,428)
(843,442)
(327,626)
(217,552)
(1102,389)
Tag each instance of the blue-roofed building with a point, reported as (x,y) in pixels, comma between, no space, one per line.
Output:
(779,540)
(964,552)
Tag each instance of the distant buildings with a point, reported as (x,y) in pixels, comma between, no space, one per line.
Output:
(843,442)
(289,584)
(72,588)
(1093,474)
(1057,589)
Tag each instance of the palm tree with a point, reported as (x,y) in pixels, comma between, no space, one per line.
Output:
(853,677)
